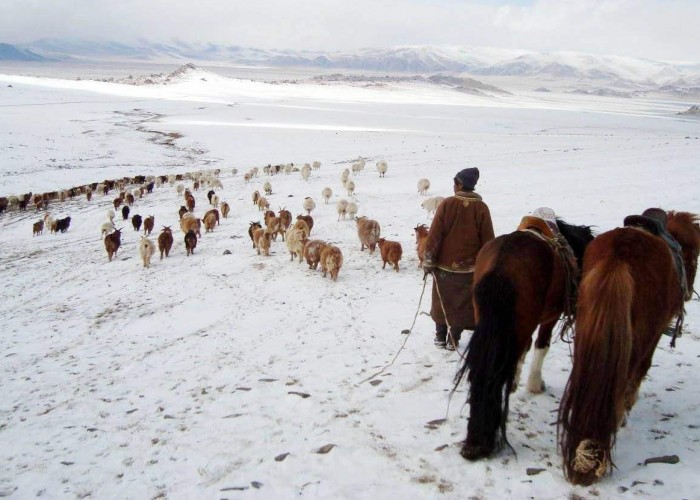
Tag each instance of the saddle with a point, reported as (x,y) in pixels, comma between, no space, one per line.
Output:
(653,226)
(530,223)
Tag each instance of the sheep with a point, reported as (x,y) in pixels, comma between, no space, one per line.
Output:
(368,231)
(431,204)
(306,173)
(255,196)
(312,252)
(357,168)
(216,183)
(180,189)
(267,169)
(262,238)
(190,242)
(350,186)
(50,222)
(191,224)
(214,201)
(268,188)
(215,212)
(382,167)
(326,192)
(352,209)
(112,243)
(254,171)
(316,165)
(342,208)
(273,224)
(308,219)
(246,177)
(146,249)
(285,218)
(421,231)
(136,221)
(62,225)
(296,240)
(209,222)
(344,176)
(110,214)
(423,186)
(331,261)
(106,228)
(391,252)
(309,204)
(148,224)
(263,204)
(251,230)
(288,168)
(37,228)
(225,209)
(165,241)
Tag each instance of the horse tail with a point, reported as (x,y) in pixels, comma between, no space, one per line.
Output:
(593,403)
(490,362)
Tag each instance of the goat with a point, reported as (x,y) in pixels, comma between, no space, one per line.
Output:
(263,204)
(183,210)
(382,167)
(165,241)
(285,218)
(189,201)
(209,222)
(431,204)
(251,231)
(225,209)
(309,204)
(296,240)
(255,196)
(213,211)
(342,208)
(312,252)
(274,225)
(421,231)
(195,185)
(112,243)
(38,228)
(191,224)
(214,201)
(423,186)
(50,222)
(129,199)
(327,193)
(210,193)
(146,249)
(352,209)
(308,219)
(368,231)
(125,212)
(190,242)
(62,225)
(391,252)
(148,224)
(117,203)
(331,261)
(110,214)
(262,239)
(136,221)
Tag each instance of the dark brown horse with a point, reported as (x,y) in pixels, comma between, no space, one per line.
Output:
(520,282)
(630,291)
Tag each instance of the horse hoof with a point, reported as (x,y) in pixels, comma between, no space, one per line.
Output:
(535,388)
(474,452)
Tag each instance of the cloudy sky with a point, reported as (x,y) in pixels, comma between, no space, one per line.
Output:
(656,29)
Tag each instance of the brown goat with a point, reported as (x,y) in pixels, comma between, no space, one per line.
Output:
(165,241)
(312,252)
(251,231)
(391,252)
(421,231)
(274,225)
(117,203)
(183,210)
(190,242)
(262,239)
(368,231)
(331,261)
(225,209)
(112,243)
(38,228)
(148,224)
(213,211)
(285,218)
(309,221)
(209,222)
(130,199)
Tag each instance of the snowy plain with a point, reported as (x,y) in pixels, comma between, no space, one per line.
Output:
(194,378)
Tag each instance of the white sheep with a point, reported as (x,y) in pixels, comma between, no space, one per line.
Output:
(326,192)
(357,168)
(306,173)
(352,210)
(180,189)
(216,183)
(147,249)
(316,165)
(268,188)
(423,186)
(431,204)
(309,204)
(382,168)
(214,200)
(342,208)
(254,171)
(350,186)
(295,240)
(288,168)
(110,214)
(106,228)
(344,176)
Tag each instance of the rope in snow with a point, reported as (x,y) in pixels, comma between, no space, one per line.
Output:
(408,334)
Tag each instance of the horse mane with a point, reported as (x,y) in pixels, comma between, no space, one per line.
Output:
(578,238)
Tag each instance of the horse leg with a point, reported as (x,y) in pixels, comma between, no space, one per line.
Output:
(519,369)
(535,384)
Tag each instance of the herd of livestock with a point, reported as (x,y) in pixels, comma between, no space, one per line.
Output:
(296,236)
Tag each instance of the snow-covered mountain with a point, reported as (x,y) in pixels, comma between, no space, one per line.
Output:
(11,53)
(615,70)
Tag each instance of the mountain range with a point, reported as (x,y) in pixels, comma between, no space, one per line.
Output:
(620,72)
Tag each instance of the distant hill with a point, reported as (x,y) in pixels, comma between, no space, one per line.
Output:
(11,53)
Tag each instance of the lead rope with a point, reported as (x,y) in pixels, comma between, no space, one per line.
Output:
(410,330)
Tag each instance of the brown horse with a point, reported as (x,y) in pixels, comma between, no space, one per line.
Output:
(520,282)
(629,293)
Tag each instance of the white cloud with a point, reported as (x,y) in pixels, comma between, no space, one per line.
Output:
(659,29)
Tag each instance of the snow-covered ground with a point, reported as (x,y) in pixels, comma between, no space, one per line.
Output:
(218,376)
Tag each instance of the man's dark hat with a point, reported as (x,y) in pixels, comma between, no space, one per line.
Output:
(468,177)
